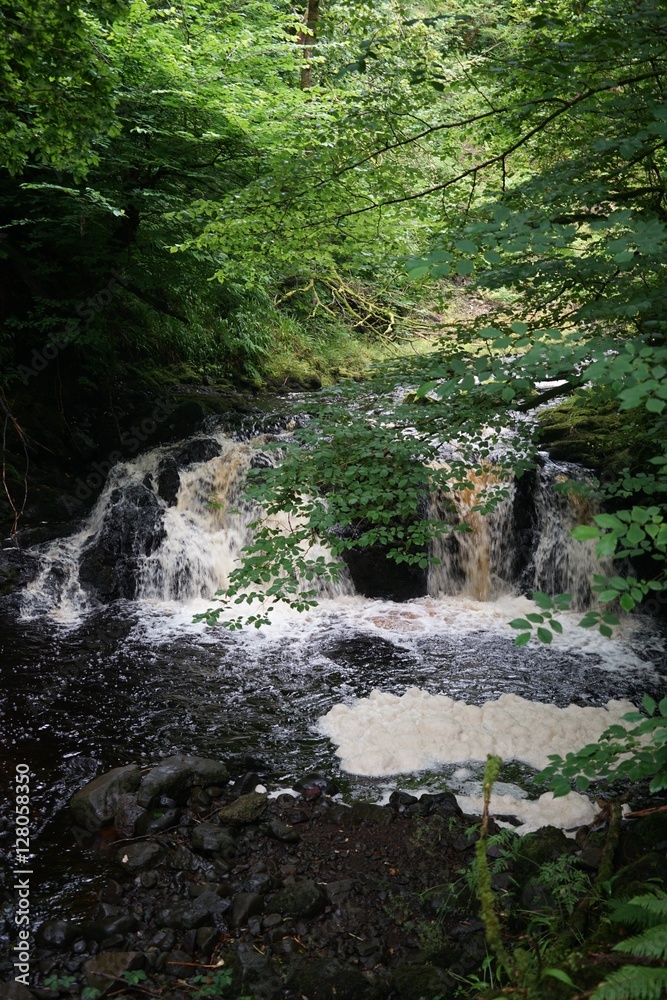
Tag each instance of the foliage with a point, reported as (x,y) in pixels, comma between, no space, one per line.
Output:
(643,981)
(625,753)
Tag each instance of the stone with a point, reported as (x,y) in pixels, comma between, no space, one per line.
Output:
(281,831)
(322,980)
(246,783)
(399,800)
(213,839)
(180,964)
(95,804)
(183,860)
(443,803)
(134,857)
(100,930)
(179,773)
(156,820)
(313,779)
(168,480)
(245,905)
(246,809)
(126,815)
(190,914)
(369,812)
(107,968)
(196,451)
(57,933)
(300,899)
(15,991)
(133,528)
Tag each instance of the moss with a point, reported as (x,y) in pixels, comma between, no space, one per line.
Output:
(589,429)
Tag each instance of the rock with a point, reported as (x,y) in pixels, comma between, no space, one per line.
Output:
(126,815)
(257,974)
(368,812)
(177,774)
(132,528)
(57,933)
(631,880)
(246,809)
(443,803)
(307,782)
(107,968)
(133,857)
(183,860)
(245,905)
(99,930)
(338,892)
(156,820)
(246,783)
(330,980)
(168,480)
(212,839)
(374,574)
(95,804)
(399,800)
(301,899)
(15,991)
(281,831)
(190,914)
(180,964)
(196,451)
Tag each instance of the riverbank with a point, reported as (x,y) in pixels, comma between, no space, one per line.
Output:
(220,887)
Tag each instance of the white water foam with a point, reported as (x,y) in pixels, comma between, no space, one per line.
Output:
(387,734)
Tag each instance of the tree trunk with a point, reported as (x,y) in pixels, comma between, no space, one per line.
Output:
(306,38)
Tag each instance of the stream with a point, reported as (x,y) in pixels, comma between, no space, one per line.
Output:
(104,666)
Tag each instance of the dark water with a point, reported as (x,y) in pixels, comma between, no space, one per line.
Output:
(135,683)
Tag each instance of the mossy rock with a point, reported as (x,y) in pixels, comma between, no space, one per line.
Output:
(591,431)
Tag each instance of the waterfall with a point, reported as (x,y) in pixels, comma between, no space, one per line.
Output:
(155,535)
(524,543)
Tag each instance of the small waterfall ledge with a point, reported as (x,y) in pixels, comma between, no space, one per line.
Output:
(154,535)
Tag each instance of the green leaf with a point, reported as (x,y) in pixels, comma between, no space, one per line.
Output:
(544,635)
(585,531)
(522,639)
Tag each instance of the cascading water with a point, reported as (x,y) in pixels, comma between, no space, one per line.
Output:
(132,678)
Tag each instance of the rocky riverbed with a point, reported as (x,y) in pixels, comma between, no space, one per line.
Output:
(221,887)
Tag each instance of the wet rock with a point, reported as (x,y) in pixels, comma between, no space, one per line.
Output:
(301,899)
(400,800)
(180,964)
(190,914)
(17,569)
(206,939)
(200,799)
(212,839)
(374,574)
(631,880)
(133,857)
(195,451)
(246,809)
(257,974)
(246,783)
(156,820)
(126,815)
(443,803)
(307,782)
(107,968)
(168,480)
(183,860)
(95,804)
(100,930)
(177,774)
(57,933)
(15,991)
(281,831)
(245,905)
(337,892)
(368,812)
(133,528)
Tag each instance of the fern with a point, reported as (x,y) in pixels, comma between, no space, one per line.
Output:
(639,982)
(651,944)
(641,911)
(634,982)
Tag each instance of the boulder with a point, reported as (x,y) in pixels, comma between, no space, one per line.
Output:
(132,528)
(246,809)
(134,857)
(175,775)
(106,969)
(190,914)
(196,451)
(212,839)
(57,933)
(96,803)
(168,480)
(300,899)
